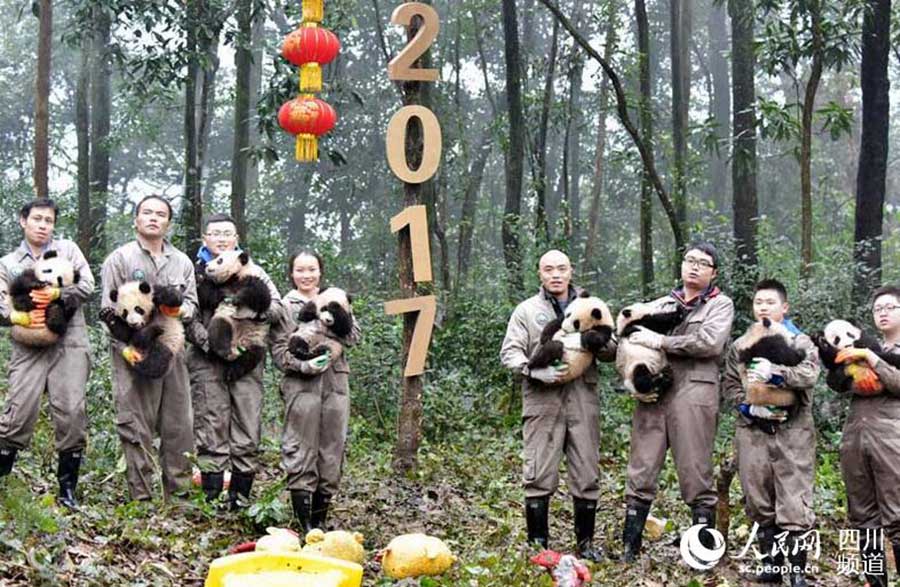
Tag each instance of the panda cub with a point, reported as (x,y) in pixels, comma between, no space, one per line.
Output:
(584,329)
(240,300)
(49,270)
(147,320)
(856,376)
(644,370)
(771,341)
(323,322)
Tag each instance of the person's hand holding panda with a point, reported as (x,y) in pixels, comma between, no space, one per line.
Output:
(548,375)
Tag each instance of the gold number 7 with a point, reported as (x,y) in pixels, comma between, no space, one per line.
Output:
(426,306)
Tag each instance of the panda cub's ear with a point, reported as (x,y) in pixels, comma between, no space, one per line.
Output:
(114,295)
(584,294)
(144,287)
(51,255)
(349,299)
(244,257)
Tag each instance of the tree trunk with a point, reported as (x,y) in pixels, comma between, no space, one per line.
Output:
(511,219)
(873,149)
(542,230)
(409,421)
(809,104)
(470,200)
(42,99)
(743,166)
(680,12)
(100,117)
(721,104)
(207,111)
(646,116)
(240,156)
(82,133)
(192,206)
(574,124)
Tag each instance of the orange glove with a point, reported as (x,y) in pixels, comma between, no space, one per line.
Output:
(37,318)
(171,311)
(42,297)
(865,380)
(851,355)
(132,355)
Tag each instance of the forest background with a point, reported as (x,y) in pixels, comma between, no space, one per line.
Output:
(616,131)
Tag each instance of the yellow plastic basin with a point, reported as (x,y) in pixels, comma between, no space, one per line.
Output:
(279,569)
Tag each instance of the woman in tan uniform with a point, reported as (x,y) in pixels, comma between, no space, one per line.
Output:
(316,396)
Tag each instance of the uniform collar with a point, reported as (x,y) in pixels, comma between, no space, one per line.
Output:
(707,294)
(558,308)
(24,250)
(167,248)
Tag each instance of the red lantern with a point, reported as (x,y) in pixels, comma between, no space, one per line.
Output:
(310,47)
(308,118)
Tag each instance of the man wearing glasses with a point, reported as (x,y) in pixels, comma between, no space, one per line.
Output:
(227,414)
(870,446)
(556,418)
(684,418)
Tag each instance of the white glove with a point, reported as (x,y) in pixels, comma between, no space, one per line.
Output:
(646,337)
(761,370)
(549,375)
(768,413)
(315,366)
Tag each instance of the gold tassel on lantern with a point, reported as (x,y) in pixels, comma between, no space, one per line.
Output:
(307,148)
(310,77)
(313,10)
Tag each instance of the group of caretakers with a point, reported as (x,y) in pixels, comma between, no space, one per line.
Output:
(193,407)
(775,449)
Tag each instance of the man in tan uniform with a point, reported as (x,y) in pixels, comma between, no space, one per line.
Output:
(555,418)
(227,414)
(870,446)
(146,408)
(685,417)
(61,369)
(776,449)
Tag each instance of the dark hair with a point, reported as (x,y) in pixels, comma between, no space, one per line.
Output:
(885,290)
(137,207)
(309,253)
(218,217)
(25,211)
(771,284)
(707,248)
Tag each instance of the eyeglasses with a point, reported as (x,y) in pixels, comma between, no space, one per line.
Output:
(701,263)
(221,234)
(884,309)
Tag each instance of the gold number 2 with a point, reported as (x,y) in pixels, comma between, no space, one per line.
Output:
(401,66)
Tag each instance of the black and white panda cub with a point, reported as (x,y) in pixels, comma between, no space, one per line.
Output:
(240,300)
(322,323)
(855,376)
(643,370)
(147,320)
(574,339)
(771,341)
(49,270)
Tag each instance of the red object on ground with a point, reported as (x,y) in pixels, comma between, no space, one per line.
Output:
(566,570)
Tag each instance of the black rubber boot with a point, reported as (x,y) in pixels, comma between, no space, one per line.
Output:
(7,458)
(873,552)
(301,503)
(585,519)
(798,562)
(212,484)
(67,475)
(239,490)
(701,515)
(319,514)
(771,564)
(896,548)
(632,534)
(537,512)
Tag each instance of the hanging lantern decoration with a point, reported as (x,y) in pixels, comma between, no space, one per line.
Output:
(309,48)
(308,118)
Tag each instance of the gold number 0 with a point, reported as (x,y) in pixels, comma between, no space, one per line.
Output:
(401,66)
(431,144)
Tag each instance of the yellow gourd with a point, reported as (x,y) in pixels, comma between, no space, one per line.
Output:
(337,544)
(414,555)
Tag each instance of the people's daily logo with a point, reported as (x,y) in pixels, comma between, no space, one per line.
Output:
(698,556)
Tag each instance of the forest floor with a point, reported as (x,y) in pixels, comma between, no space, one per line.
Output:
(467,492)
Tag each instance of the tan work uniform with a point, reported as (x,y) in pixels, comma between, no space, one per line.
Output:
(777,470)
(686,416)
(227,415)
(316,409)
(152,407)
(555,418)
(870,455)
(62,369)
